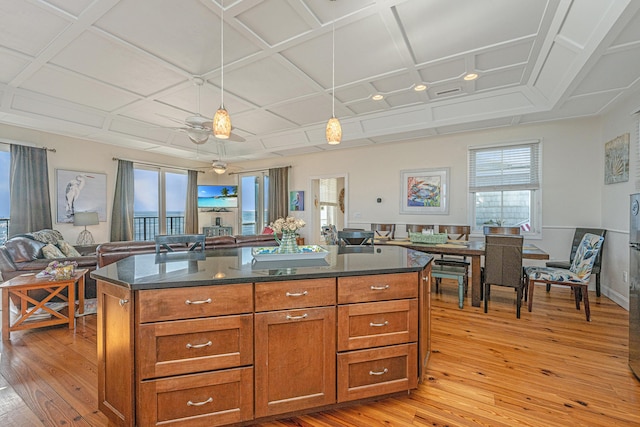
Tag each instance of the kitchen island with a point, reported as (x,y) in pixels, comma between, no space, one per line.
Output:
(216,338)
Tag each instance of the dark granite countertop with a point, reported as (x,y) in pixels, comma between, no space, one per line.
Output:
(237,265)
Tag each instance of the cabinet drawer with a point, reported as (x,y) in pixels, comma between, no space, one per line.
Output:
(187,346)
(203,400)
(192,302)
(295,294)
(377,324)
(377,287)
(378,371)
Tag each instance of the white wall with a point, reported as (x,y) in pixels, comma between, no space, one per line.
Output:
(615,201)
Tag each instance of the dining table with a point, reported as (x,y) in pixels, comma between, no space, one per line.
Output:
(474,249)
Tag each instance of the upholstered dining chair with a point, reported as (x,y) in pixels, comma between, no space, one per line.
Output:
(577,238)
(503,266)
(489,229)
(384,231)
(330,234)
(578,275)
(356,238)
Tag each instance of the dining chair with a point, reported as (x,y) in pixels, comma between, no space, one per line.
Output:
(384,231)
(455,232)
(503,266)
(577,238)
(417,228)
(355,238)
(439,272)
(490,229)
(171,241)
(578,275)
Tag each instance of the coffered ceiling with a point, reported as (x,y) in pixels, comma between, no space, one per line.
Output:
(122,72)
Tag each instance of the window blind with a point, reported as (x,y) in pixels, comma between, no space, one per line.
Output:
(328,190)
(509,167)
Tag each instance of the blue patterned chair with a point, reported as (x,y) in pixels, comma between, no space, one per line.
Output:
(578,275)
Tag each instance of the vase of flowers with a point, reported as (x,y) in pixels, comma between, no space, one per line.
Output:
(288,227)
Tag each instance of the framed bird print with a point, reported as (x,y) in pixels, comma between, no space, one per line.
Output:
(80,192)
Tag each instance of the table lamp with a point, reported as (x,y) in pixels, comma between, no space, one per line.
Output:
(85,218)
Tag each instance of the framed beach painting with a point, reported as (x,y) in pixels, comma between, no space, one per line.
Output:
(82,192)
(616,160)
(424,191)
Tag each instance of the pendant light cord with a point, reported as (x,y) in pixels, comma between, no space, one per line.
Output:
(222,54)
(333,64)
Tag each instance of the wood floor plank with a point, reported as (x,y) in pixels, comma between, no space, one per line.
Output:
(549,368)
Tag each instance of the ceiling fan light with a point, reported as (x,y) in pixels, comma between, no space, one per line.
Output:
(222,124)
(219,168)
(197,136)
(334,131)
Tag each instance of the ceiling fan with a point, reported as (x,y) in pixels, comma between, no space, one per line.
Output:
(197,127)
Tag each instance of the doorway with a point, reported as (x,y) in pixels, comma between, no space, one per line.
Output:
(329,207)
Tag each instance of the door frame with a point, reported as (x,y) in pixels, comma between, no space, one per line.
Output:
(315,211)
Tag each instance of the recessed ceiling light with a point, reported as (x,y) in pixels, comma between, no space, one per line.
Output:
(419,88)
(377,97)
(471,76)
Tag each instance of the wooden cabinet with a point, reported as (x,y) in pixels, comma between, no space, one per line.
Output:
(295,348)
(377,335)
(230,354)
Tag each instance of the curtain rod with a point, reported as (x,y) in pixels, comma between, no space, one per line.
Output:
(10,142)
(258,170)
(157,164)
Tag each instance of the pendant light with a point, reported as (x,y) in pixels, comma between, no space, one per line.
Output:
(221,121)
(334,130)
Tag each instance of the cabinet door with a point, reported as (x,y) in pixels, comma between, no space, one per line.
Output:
(295,360)
(115,362)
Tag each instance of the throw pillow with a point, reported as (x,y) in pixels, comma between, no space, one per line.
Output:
(50,252)
(23,249)
(68,249)
(47,236)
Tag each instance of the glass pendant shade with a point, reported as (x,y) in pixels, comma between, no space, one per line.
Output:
(334,131)
(222,124)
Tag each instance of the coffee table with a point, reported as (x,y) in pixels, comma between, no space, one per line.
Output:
(30,309)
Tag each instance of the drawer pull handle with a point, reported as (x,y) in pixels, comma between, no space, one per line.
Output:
(123,302)
(209,400)
(207,344)
(379,288)
(377,325)
(379,372)
(289,317)
(189,302)
(299,294)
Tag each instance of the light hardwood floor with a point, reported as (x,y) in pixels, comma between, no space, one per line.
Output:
(549,368)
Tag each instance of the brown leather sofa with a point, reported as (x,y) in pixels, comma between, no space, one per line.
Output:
(22,255)
(108,253)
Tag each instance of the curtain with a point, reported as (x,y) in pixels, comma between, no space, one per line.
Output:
(278,193)
(29,190)
(191,210)
(122,213)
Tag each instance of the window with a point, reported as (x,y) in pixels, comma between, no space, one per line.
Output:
(504,187)
(159,202)
(5,165)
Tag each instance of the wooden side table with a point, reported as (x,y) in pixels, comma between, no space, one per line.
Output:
(18,288)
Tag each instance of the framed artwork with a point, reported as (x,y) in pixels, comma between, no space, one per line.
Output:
(424,191)
(82,192)
(616,160)
(296,200)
